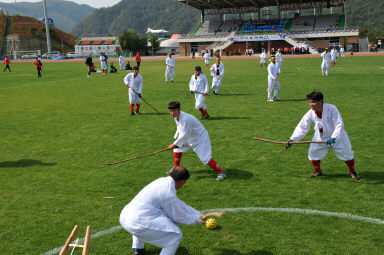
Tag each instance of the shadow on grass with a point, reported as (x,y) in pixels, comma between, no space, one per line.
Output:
(235,94)
(293,100)
(180,251)
(228,118)
(234,252)
(370,177)
(231,174)
(25,163)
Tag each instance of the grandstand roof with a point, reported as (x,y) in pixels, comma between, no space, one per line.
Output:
(219,4)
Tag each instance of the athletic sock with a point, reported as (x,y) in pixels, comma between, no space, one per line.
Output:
(351,165)
(215,166)
(137,107)
(206,112)
(177,158)
(132,106)
(202,110)
(316,165)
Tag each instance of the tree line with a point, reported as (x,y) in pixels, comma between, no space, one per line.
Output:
(131,41)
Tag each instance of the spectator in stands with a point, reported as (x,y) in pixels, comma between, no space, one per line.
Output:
(38,67)
(6,63)
(112,69)
(89,63)
(128,66)
(138,59)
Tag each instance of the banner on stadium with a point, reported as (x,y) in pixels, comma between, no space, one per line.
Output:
(254,38)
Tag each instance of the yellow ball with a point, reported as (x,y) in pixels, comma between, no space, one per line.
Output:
(211,224)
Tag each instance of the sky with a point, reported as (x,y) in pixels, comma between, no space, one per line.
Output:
(93,3)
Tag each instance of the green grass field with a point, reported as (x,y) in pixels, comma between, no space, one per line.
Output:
(56,132)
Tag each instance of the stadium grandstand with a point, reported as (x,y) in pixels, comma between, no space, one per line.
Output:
(232,27)
(96,45)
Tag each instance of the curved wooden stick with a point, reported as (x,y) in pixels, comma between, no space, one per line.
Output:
(277,142)
(216,214)
(147,102)
(141,156)
(196,92)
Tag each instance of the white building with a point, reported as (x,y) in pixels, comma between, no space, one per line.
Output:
(96,45)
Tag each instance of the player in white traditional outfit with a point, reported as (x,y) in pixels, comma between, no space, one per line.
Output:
(326,60)
(334,54)
(191,134)
(121,62)
(273,82)
(329,127)
(199,85)
(263,58)
(342,53)
(207,57)
(103,62)
(134,81)
(217,72)
(279,60)
(152,215)
(170,71)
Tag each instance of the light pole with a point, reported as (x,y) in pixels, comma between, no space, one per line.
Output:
(46,26)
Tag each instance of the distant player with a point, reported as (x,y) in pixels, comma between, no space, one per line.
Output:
(199,85)
(89,64)
(191,134)
(342,51)
(329,126)
(334,54)
(103,63)
(273,83)
(170,71)
(279,60)
(326,60)
(121,62)
(138,59)
(263,58)
(6,63)
(207,57)
(39,66)
(134,81)
(217,72)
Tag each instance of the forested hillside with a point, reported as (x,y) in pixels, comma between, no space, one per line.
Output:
(66,14)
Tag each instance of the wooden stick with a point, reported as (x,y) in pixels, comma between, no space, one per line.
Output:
(228,89)
(300,142)
(196,92)
(147,102)
(141,156)
(86,241)
(216,214)
(69,240)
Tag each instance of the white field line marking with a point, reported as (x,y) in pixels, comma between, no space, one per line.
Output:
(247,209)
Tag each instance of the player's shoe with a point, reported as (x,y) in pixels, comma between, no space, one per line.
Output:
(354,176)
(132,114)
(315,174)
(202,116)
(172,81)
(215,93)
(137,112)
(275,98)
(270,100)
(207,116)
(221,176)
(137,251)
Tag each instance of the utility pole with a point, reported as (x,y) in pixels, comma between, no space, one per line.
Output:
(46,26)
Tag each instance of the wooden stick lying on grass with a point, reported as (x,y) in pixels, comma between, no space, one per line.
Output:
(141,156)
(194,92)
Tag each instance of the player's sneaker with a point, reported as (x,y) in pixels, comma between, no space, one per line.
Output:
(137,112)
(221,176)
(137,251)
(270,100)
(354,176)
(132,114)
(202,116)
(172,81)
(275,98)
(315,174)
(215,93)
(207,116)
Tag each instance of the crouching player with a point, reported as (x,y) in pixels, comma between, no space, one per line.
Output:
(191,134)
(329,126)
